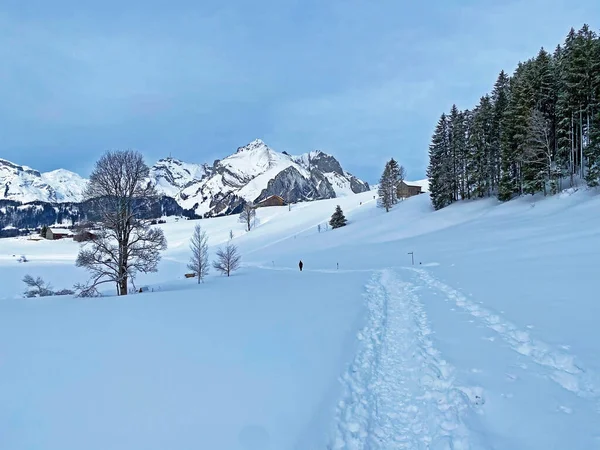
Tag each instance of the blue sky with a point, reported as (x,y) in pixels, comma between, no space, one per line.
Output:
(363,80)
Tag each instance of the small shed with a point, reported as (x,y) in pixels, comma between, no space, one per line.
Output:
(273,200)
(407,190)
(54,234)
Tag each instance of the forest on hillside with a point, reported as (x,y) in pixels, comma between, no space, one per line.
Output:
(537,131)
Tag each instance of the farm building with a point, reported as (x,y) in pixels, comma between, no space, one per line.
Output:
(84,236)
(406,190)
(54,234)
(273,200)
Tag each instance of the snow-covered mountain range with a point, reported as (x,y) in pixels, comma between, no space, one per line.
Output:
(253,173)
(24,184)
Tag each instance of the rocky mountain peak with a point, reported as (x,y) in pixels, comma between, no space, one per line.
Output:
(256,144)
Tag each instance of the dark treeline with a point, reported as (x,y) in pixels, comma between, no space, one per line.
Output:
(35,215)
(537,131)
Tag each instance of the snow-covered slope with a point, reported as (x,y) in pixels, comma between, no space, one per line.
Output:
(489,341)
(24,184)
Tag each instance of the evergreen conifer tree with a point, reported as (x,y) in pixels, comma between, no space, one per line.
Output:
(338,219)
(439,170)
(384,191)
(389,184)
(536,127)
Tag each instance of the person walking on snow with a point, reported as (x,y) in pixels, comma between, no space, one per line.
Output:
(301,264)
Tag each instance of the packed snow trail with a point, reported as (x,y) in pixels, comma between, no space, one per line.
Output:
(399,393)
(562,367)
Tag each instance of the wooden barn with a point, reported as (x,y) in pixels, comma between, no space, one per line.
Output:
(406,190)
(84,236)
(54,234)
(273,200)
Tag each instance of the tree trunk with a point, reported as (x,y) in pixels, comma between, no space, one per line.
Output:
(572,156)
(580,142)
(123,285)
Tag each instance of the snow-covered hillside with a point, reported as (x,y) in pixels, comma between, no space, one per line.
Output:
(24,184)
(489,341)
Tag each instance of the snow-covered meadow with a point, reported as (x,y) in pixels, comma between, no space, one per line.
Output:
(490,341)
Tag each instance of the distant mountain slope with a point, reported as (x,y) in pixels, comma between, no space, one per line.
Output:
(24,184)
(253,173)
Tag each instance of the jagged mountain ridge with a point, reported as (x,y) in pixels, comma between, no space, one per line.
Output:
(251,174)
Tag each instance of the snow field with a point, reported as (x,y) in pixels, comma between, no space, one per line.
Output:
(489,342)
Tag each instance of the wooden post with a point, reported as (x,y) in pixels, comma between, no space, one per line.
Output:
(412,254)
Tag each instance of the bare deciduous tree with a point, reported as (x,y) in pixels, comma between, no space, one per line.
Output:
(199,259)
(248,215)
(228,260)
(125,244)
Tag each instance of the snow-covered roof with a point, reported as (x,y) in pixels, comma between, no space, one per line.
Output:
(60,231)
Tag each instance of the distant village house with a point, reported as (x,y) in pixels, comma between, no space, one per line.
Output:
(54,234)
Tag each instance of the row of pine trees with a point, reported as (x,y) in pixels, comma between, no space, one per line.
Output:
(537,131)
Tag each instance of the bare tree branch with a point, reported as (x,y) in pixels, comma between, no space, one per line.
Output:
(228,260)
(199,259)
(248,215)
(126,244)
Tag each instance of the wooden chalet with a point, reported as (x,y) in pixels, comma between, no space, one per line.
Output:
(407,190)
(273,200)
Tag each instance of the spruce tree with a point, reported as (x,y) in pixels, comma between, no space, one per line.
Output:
(500,98)
(481,165)
(384,191)
(389,184)
(338,219)
(439,170)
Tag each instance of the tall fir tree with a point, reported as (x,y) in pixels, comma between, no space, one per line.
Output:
(500,99)
(389,184)
(385,198)
(482,163)
(440,168)
(338,219)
